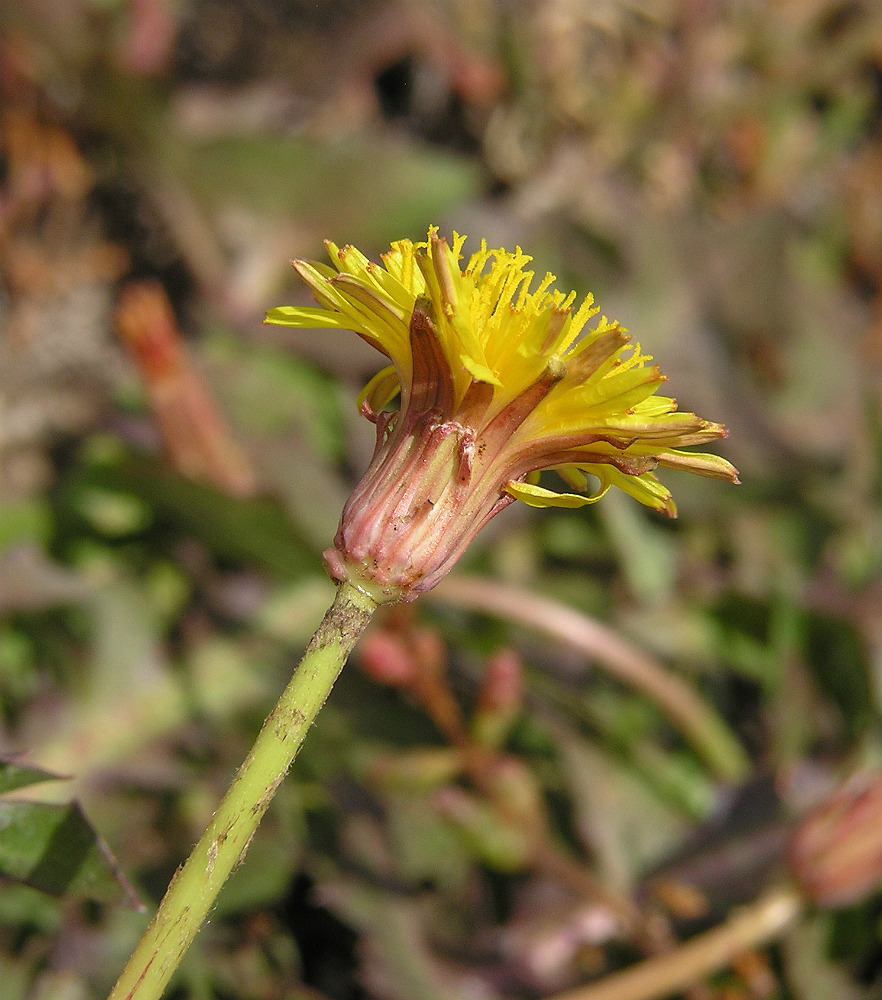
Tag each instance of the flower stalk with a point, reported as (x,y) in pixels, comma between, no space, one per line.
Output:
(221,848)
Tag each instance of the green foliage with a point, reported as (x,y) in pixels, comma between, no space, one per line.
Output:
(51,847)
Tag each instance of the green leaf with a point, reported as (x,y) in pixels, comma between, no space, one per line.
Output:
(14,775)
(53,848)
(254,529)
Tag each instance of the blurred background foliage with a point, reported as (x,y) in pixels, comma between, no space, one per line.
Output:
(481,809)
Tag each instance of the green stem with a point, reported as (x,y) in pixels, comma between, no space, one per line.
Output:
(197,882)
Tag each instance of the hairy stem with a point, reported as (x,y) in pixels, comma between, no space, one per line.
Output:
(195,886)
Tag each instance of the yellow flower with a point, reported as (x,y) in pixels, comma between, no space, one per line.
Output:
(497,383)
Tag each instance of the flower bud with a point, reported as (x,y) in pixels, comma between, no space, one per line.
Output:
(500,699)
(386,658)
(835,853)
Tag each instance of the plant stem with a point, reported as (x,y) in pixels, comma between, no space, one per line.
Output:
(197,882)
(665,975)
(697,720)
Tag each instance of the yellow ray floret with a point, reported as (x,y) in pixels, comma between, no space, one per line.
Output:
(515,363)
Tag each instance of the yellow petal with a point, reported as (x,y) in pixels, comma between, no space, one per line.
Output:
(538,496)
(573,476)
(645,487)
(380,391)
(703,463)
(308,316)
(478,371)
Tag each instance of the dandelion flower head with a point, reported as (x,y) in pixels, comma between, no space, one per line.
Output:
(498,378)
